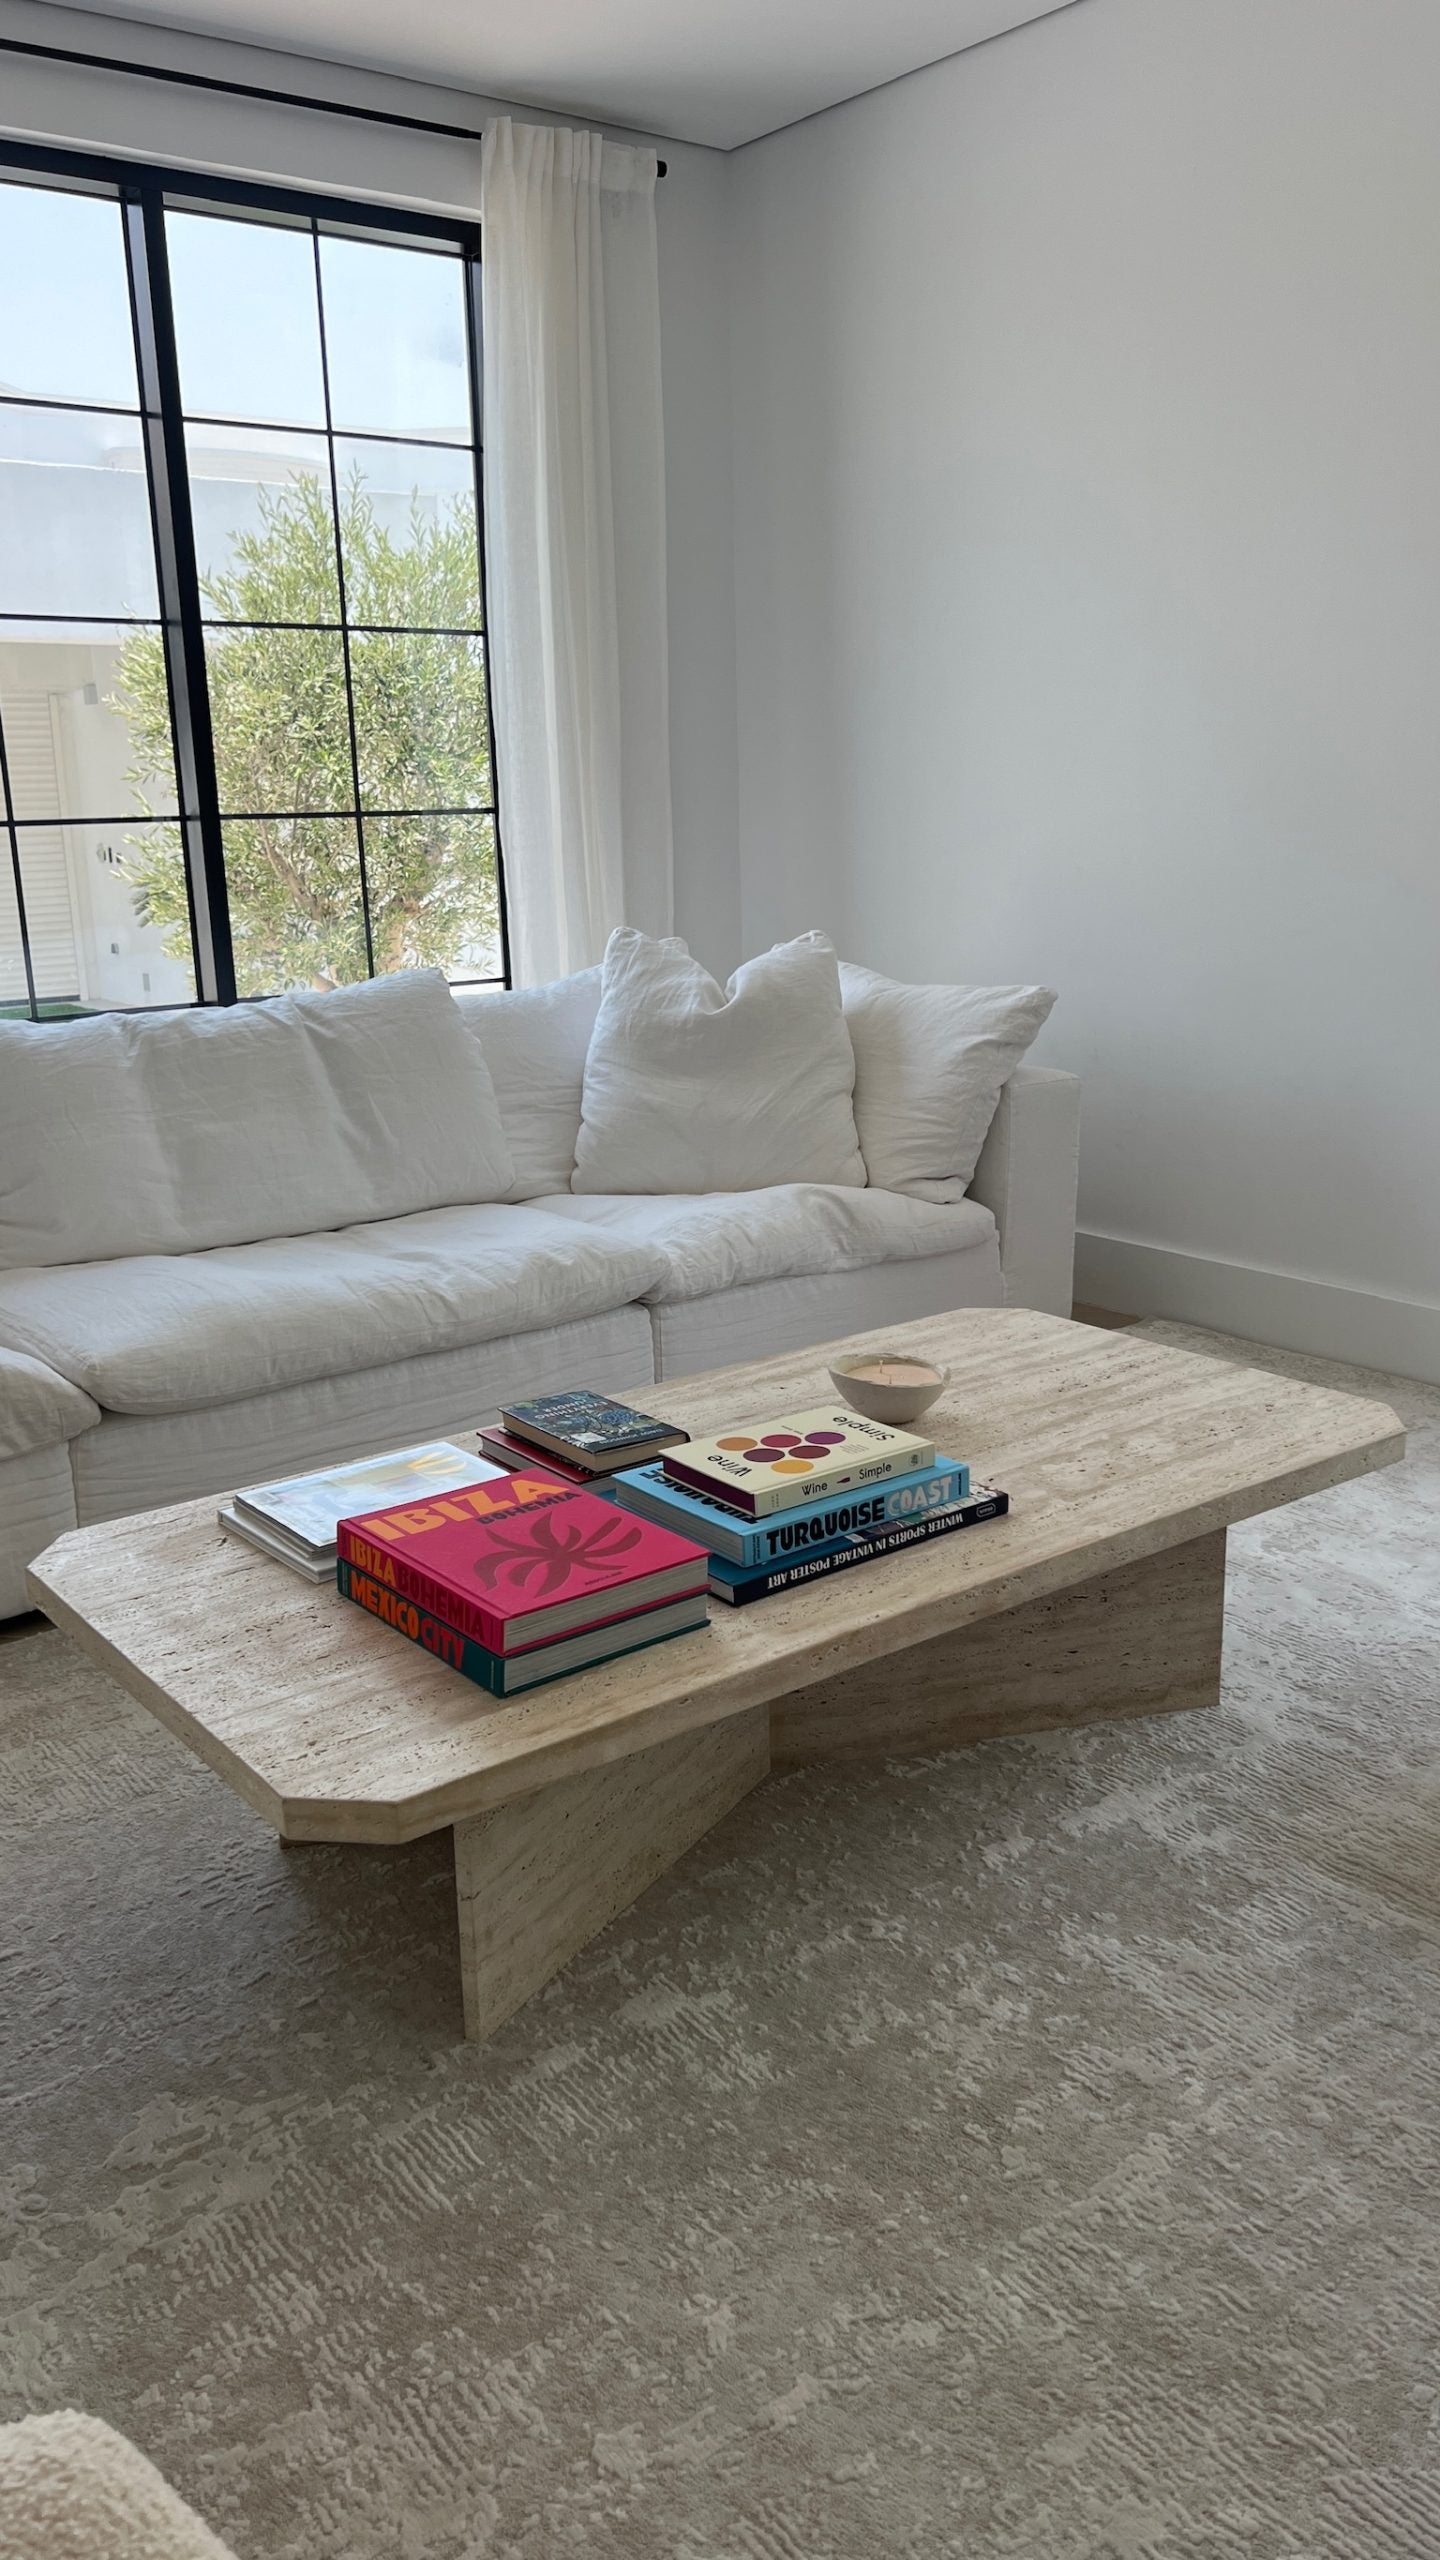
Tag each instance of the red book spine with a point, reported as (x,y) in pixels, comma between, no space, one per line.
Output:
(479,1623)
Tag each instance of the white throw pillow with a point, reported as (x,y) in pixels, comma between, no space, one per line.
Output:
(691,1087)
(930,1063)
(167,1132)
(535,1040)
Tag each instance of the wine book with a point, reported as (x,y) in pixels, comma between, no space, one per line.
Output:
(786,1534)
(782,1465)
(519,1562)
(862,1546)
(589,1430)
(507,1451)
(295,1519)
(506,1674)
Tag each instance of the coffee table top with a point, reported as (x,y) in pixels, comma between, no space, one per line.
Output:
(1112,1447)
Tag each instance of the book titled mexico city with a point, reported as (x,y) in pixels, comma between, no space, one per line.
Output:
(512,1573)
(783,1535)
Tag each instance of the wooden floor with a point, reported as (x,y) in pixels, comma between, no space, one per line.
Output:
(1108,1318)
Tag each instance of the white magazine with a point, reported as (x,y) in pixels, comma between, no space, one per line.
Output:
(308,1508)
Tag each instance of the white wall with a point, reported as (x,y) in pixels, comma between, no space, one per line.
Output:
(1087,484)
(100,111)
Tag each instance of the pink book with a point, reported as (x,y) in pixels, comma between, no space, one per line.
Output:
(520,1571)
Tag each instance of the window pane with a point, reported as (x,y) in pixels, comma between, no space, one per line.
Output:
(87,722)
(107,915)
(264,525)
(75,506)
(422,728)
(277,708)
(395,339)
(65,255)
(407,528)
(434,900)
(296,915)
(247,319)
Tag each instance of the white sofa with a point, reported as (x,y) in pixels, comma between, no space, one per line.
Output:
(141,1377)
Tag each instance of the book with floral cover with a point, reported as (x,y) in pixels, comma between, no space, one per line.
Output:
(519,1574)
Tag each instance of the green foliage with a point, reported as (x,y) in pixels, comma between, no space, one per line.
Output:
(282,744)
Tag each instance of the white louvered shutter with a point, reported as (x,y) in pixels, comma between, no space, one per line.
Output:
(35,787)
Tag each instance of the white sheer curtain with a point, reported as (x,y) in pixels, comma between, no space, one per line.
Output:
(575,541)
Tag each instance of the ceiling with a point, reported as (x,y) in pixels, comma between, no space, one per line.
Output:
(714,71)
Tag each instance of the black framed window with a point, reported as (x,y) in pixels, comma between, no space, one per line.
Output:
(245,738)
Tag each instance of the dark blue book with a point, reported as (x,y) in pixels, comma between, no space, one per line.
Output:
(733,1583)
(591,1431)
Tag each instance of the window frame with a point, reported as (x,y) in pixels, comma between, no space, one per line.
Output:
(146,191)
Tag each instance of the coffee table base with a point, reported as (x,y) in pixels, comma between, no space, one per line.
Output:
(538,1877)
(1142,1641)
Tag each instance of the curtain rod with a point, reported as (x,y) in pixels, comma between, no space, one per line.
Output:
(243,89)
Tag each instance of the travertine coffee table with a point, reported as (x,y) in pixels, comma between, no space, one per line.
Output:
(1102,1594)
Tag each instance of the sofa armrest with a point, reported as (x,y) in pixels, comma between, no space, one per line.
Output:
(1026,1179)
(69,2483)
(38,1407)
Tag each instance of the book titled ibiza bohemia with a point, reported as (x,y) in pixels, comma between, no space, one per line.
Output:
(514,1574)
(778,1465)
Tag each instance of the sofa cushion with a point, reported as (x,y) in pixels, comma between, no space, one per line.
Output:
(535,1040)
(724,1239)
(929,1066)
(769,1316)
(166,1333)
(690,1088)
(38,1408)
(160,1133)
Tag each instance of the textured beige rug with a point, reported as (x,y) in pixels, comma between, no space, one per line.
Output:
(1023,2155)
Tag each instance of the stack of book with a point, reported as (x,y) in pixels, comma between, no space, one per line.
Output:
(295,1519)
(807,1495)
(520,1580)
(582,1437)
(588,1529)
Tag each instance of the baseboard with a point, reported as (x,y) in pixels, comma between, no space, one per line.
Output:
(1358,1325)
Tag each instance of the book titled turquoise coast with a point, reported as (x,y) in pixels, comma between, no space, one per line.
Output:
(782,1536)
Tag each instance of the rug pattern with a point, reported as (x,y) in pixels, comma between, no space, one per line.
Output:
(1027,2154)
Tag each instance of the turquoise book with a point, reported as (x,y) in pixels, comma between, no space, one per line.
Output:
(783,1535)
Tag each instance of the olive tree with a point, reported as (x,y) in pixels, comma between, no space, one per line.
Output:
(283,749)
